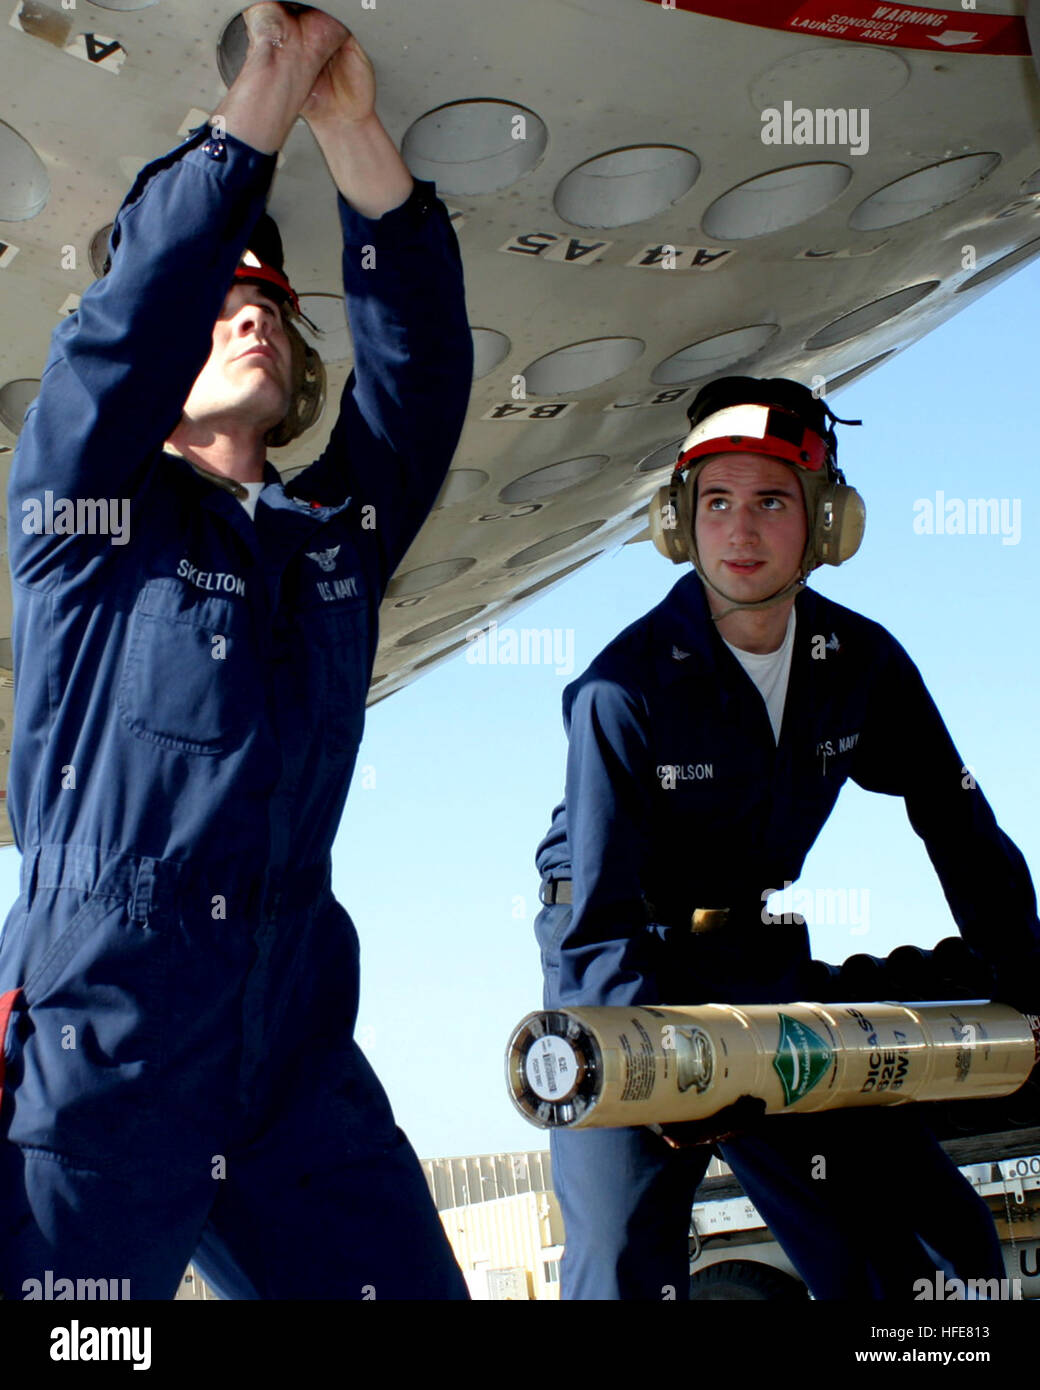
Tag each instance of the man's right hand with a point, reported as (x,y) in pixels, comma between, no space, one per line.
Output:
(296,32)
(288,48)
(729,1123)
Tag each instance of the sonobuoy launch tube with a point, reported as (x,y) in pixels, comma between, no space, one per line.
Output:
(585,1067)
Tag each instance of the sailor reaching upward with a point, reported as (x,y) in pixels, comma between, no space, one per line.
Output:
(178,985)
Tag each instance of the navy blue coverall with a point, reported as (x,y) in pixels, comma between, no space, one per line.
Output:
(180,1075)
(679,797)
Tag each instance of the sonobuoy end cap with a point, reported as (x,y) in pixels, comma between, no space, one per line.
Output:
(553,1068)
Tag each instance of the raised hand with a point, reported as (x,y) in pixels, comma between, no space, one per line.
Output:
(289,45)
(302,62)
(345,88)
(294,32)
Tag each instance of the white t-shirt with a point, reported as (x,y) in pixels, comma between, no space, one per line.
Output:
(770,672)
(254,490)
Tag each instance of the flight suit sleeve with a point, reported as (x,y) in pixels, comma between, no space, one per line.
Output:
(121,367)
(608,954)
(404,404)
(905,750)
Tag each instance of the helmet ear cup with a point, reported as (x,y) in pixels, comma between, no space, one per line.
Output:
(307,398)
(670,521)
(841,517)
(838,511)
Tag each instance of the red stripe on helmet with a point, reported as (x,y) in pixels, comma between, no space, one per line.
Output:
(812,454)
(270,276)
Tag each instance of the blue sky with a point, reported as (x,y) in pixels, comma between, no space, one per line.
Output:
(434,857)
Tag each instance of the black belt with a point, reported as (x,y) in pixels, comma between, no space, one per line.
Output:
(703,919)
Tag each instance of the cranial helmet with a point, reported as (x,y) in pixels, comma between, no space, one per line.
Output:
(786,421)
(263,264)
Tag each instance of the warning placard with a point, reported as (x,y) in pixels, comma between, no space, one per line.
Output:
(865,21)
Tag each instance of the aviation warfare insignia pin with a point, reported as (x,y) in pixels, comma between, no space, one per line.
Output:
(324,559)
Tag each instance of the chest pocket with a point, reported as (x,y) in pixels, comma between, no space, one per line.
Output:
(191,678)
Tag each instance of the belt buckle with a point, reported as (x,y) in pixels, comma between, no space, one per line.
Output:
(552,891)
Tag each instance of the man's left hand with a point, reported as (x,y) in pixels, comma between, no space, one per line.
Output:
(345,88)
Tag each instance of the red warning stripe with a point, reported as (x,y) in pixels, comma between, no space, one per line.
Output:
(866,21)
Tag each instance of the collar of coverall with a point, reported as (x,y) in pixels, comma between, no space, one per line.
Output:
(688,628)
(232,485)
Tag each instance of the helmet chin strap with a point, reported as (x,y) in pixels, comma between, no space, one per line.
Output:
(795,587)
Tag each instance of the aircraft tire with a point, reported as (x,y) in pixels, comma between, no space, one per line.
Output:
(745,1279)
